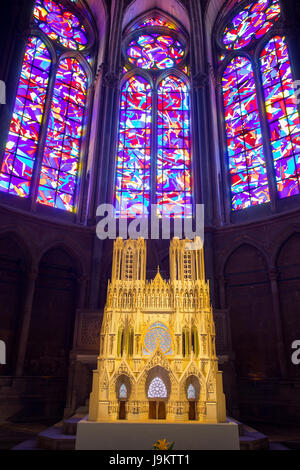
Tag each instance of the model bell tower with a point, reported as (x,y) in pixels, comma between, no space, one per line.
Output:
(157,344)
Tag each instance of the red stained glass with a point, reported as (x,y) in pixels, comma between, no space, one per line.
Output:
(155,51)
(251,23)
(60,163)
(60,24)
(282,114)
(134,145)
(174,184)
(249,185)
(155,21)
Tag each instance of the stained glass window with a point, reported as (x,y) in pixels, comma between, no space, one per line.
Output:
(282,114)
(60,163)
(191,392)
(155,21)
(174,191)
(157,336)
(157,389)
(134,147)
(155,51)
(60,24)
(154,147)
(246,148)
(58,147)
(248,175)
(22,143)
(123,391)
(251,23)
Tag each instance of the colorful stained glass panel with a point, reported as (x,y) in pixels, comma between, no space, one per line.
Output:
(150,51)
(59,24)
(249,184)
(282,114)
(155,21)
(132,184)
(251,23)
(22,143)
(60,163)
(174,183)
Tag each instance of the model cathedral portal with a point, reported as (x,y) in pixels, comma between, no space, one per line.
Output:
(157,344)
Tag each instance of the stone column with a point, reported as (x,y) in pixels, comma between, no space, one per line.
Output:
(81,290)
(107,143)
(273,275)
(24,331)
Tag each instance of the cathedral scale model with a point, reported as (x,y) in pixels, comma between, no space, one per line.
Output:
(157,345)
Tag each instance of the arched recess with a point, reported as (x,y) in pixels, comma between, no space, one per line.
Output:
(192,393)
(158,389)
(53,315)
(288,265)
(174,9)
(12,293)
(162,374)
(194,381)
(123,379)
(249,300)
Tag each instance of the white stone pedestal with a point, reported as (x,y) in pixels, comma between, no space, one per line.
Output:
(124,435)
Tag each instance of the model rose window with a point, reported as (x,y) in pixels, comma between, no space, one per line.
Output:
(157,389)
(157,336)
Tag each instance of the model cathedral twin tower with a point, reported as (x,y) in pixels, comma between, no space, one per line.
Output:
(157,344)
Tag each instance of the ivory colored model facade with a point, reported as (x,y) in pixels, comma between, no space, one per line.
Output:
(157,344)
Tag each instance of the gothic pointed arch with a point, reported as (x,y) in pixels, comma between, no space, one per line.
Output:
(153,163)
(260,114)
(44,149)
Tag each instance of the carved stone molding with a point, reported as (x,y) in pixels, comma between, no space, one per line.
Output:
(111,80)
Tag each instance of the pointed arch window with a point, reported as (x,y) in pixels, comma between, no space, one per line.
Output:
(123,391)
(44,145)
(260,108)
(191,392)
(154,145)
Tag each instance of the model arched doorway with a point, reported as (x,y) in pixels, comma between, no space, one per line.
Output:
(122,392)
(157,396)
(192,394)
(158,388)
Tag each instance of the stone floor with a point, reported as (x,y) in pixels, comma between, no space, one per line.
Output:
(12,434)
(287,435)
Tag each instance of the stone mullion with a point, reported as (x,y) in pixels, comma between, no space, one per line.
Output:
(225,175)
(201,152)
(109,99)
(195,53)
(154,146)
(42,138)
(105,174)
